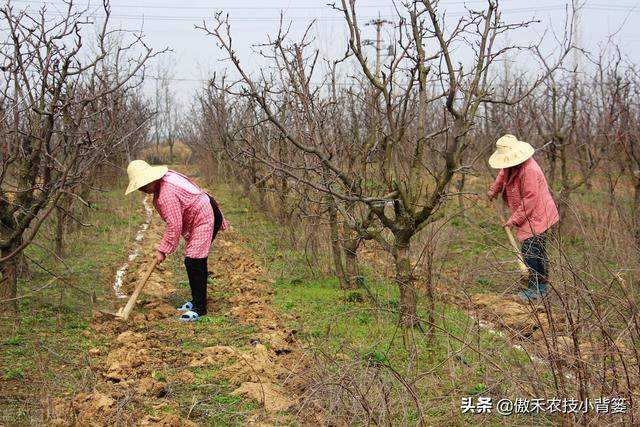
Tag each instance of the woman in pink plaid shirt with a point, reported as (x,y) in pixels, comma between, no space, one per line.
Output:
(523,186)
(188,211)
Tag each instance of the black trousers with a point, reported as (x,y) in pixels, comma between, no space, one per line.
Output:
(197,273)
(197,269)
(217,215)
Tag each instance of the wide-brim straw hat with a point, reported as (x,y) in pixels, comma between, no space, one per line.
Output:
(142,173)
(510,152)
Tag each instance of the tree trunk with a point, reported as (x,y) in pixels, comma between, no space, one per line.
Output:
(460,189)
(636,214)
(351,257)
(563,209)
(24,272)
(552,156)
(406,284)
(336,249)
(285,211)
(8,282)
(408,316)
(60,218)
(262,197)
(431,299)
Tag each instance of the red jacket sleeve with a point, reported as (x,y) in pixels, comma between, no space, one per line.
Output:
(498,185)
(170,210)
(528,197)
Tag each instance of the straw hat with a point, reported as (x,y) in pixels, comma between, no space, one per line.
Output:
(142,173)
(510,152)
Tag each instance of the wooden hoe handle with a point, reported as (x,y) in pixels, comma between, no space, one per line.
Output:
(134,296)
(521,265)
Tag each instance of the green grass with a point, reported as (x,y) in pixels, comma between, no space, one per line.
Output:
(204,375)
(159,376)
(47,341)
(49,338)
(15,341)
(14,374)
(333,322)
(220,408)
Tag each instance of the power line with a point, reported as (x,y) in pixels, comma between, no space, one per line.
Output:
(607,6)
(205,80)
(337,18)
(176,79)
(322,18)
(325,18)
(324,6)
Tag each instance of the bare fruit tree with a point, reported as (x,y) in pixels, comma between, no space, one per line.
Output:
(394,180)
(56,96)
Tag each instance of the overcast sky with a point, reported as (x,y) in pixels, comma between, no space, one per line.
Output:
(167,23)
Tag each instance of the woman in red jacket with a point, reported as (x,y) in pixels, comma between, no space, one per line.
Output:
(533,211)
(189,211)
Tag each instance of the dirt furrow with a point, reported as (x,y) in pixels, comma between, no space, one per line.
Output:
(538,328)
(127,390)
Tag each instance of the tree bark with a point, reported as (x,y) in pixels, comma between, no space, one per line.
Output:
(9,282)
(552,156)
(460,189)
(336,248)
(60,219)
(406,284)
(351,260)
(431,299)
(636,213)
(24,272)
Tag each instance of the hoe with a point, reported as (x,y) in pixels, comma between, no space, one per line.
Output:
(123,313)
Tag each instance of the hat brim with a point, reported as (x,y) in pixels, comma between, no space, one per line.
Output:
(154,173)
(521,152)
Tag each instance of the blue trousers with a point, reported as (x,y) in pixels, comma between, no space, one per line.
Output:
(535,257)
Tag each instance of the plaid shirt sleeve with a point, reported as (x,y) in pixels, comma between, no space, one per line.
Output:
(170,210)
(498,185)
(528,198)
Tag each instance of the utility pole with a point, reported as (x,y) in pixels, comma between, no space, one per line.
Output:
(156,119)
(379,22)
(374,139)
(576,40)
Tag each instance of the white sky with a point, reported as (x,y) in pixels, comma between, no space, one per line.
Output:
(167,23)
